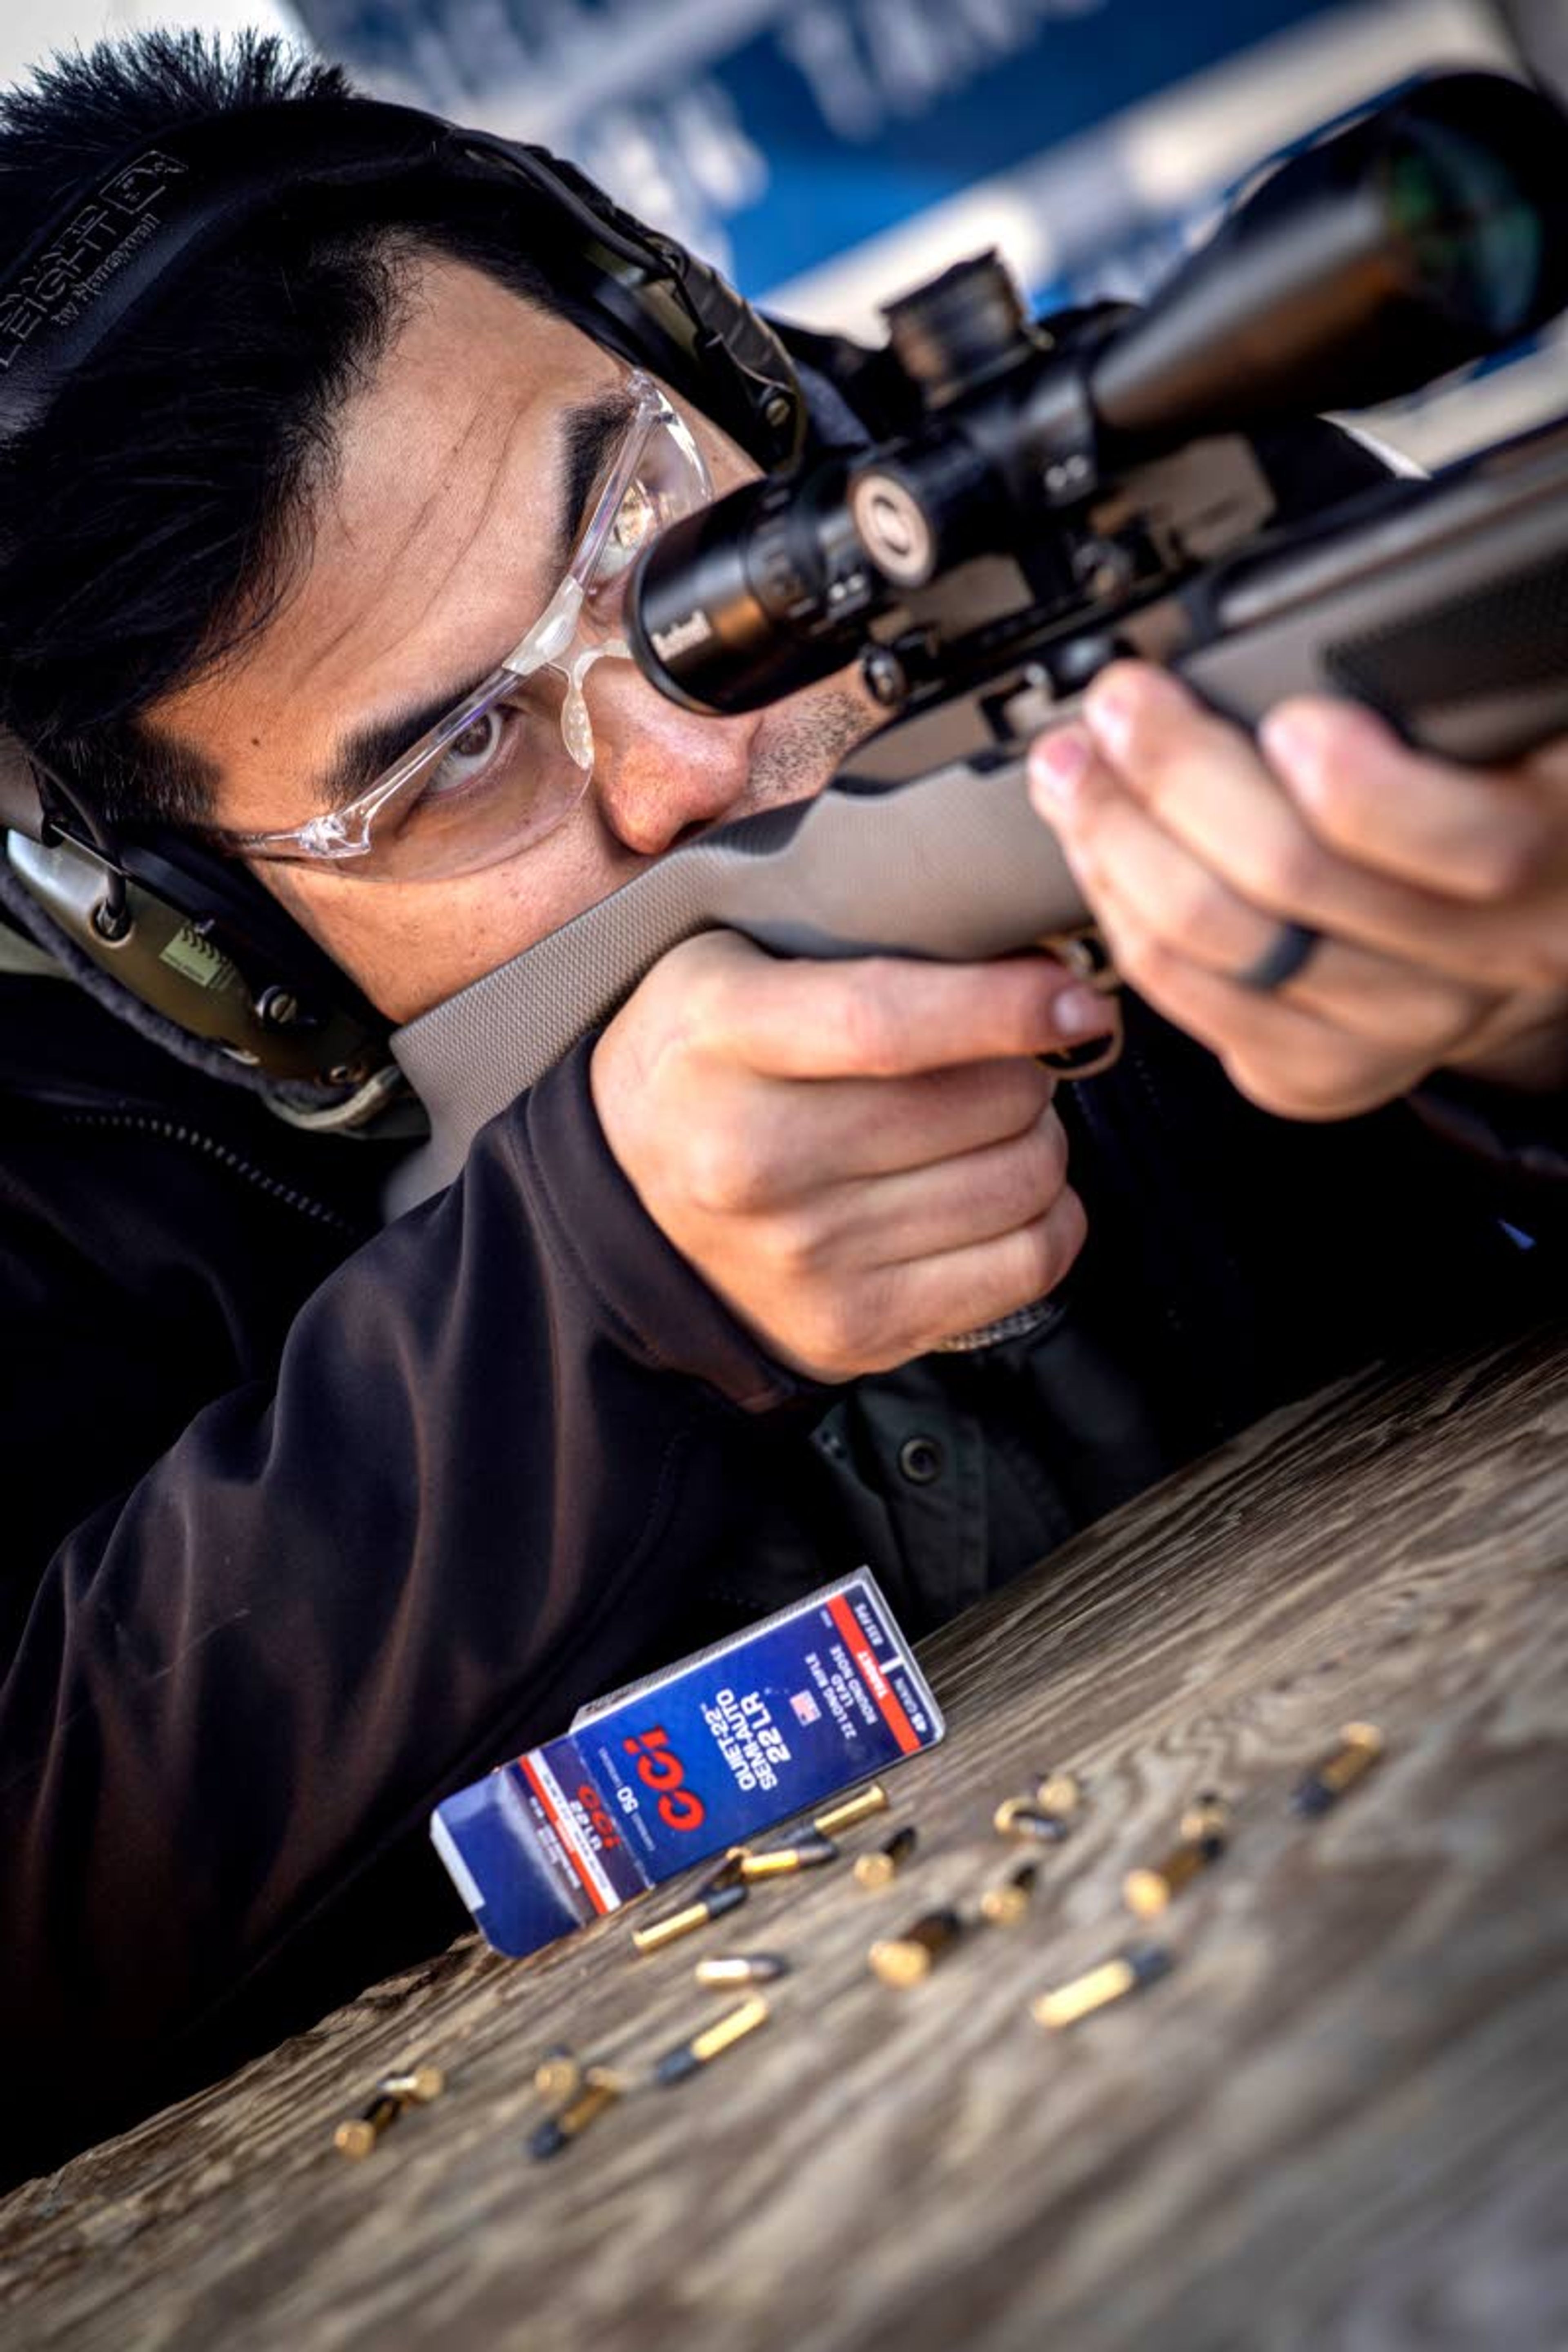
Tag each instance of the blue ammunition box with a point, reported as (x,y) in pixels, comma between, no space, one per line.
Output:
(706,1755)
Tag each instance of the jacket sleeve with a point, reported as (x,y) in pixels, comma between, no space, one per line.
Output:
(496,1462)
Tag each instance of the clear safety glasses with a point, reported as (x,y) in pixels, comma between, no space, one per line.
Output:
(514,758)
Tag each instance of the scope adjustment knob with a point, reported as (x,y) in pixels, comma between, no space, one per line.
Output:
(893,527)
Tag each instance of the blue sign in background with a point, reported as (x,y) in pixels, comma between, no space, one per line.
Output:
(849,154)
(773,134)
(831,154)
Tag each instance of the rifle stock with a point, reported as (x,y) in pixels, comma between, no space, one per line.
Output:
(1443,603)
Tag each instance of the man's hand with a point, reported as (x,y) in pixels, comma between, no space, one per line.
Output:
(860,1157)
(1440,892)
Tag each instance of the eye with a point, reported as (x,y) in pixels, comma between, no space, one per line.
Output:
(471,755)
(637,519)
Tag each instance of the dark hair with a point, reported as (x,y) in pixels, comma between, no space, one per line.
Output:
(160,513)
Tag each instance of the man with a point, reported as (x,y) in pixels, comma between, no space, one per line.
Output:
(301,1537)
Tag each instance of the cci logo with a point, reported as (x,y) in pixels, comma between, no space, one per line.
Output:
(593,1804)
(660,1769)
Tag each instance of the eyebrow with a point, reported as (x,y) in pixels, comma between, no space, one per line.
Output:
(586,435)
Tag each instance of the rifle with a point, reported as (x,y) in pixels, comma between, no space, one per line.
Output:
(1054,502)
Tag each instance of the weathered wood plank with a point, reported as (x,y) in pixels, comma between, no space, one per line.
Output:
(1340,2121)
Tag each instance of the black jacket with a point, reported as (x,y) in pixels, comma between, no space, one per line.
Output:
(306,1524)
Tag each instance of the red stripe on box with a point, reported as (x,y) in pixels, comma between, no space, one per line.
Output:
(871,1675)
(566,1831)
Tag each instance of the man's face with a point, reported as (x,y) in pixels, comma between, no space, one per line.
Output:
(431,557)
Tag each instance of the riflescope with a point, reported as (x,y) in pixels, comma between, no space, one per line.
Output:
(1430,232)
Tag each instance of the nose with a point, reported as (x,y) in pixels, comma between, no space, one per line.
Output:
(659,771)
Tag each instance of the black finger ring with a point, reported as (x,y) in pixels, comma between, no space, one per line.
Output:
(1281,959)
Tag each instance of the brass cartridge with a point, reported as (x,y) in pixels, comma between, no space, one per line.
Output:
(1129,1971)
(704,2047)
(394,2093)
(808,1853)
(1203,1827)
(1006,1904)
(878,1869)
(1360,1745)
(1059,1792)
(417,2087)
(558,2075)
(696,1915)
(358,2138)
(740,1967)
(1018,1817)
(849,1811)
(600,2089)
(728,1872)
(908,1958)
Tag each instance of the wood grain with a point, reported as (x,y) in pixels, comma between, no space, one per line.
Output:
(1339,2122)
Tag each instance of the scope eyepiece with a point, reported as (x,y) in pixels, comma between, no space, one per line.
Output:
(761,593)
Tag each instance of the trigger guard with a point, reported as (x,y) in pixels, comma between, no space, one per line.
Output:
(1086,956)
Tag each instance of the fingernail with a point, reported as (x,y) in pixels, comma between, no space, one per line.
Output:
(1295,739)
(1128,698)
(1056,765)
(1111,712)
(1083,1012)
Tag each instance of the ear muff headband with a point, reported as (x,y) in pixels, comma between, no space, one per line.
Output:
(154,213)
(131,234)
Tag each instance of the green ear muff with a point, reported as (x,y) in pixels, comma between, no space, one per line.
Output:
(205,974)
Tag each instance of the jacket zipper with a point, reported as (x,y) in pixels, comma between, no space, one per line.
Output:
(169,1130)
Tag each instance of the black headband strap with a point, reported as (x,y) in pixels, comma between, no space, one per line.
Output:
(155,211)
